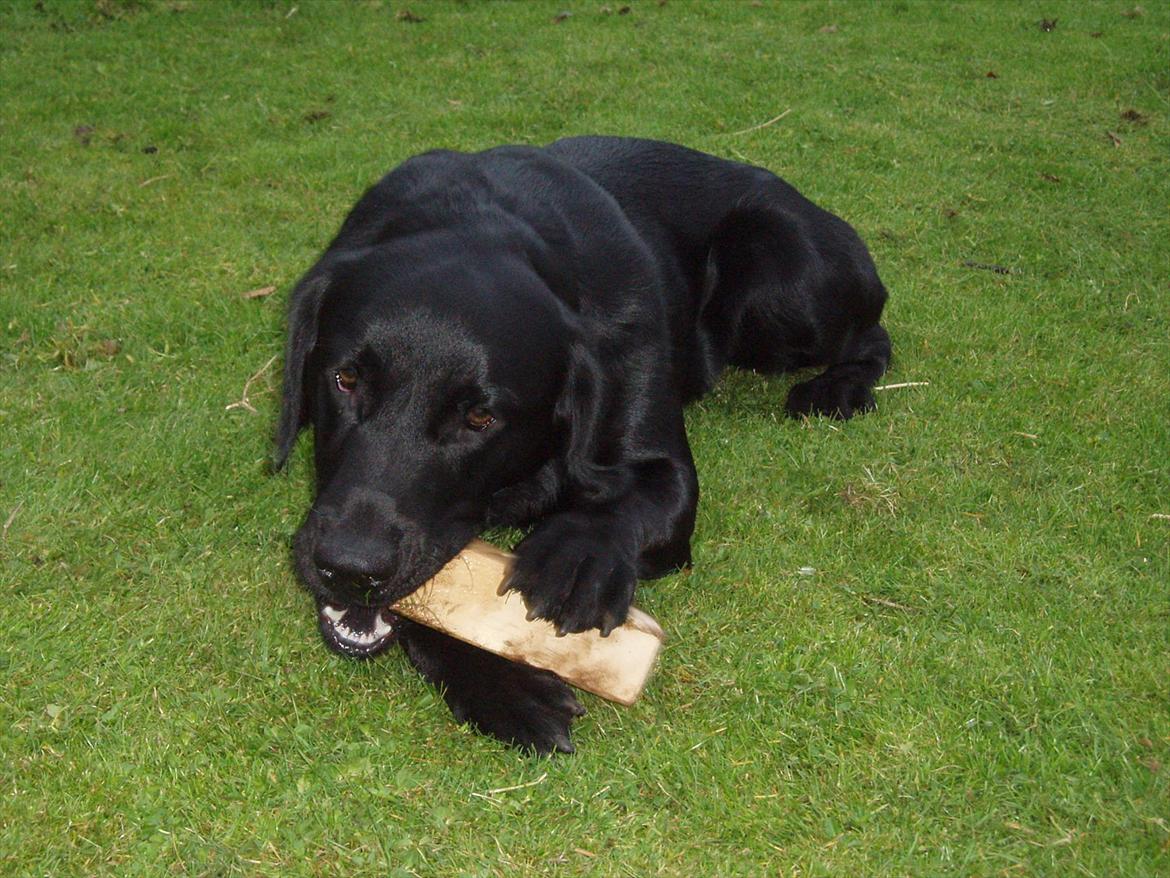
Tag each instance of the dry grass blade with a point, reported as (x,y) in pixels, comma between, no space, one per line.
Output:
(883,602)
(11,518)
(244,402)
(771,121)
(490,793)
(903,384)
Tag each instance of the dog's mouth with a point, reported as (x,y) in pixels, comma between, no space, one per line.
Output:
(357,631)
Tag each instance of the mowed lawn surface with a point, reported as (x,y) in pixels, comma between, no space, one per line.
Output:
(930,641)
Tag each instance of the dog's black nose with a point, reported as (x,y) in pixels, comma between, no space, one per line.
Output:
(352,566)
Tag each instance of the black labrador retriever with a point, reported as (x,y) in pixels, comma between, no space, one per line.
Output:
(509,337)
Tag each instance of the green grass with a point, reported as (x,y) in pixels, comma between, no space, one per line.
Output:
(973,679)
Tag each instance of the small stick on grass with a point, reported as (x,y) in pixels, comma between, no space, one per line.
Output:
(244,402)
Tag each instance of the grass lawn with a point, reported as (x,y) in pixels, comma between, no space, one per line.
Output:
(932,641)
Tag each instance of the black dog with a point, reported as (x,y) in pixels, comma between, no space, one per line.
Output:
(509,337)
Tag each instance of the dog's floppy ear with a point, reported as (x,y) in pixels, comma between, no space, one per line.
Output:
(581,411)
(304,308)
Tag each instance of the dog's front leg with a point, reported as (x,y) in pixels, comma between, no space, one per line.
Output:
(579,567)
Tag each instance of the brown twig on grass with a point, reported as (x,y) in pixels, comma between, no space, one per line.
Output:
(244,402)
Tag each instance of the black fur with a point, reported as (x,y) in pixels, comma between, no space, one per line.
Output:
(579,295)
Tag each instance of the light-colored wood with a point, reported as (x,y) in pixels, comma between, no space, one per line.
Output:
(461,601)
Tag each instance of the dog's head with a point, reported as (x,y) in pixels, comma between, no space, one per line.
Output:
(446,389)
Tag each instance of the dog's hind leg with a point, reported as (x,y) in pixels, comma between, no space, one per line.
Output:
(788,289)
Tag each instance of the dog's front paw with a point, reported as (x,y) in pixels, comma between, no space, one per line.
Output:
(575,572)
(833,397)
(522,706)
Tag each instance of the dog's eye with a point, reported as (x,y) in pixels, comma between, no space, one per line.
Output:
(479,418)
(347,379)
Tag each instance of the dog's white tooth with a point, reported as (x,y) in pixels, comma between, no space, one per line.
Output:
(345,633)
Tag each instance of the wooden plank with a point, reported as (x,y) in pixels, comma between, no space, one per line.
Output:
(461,601)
